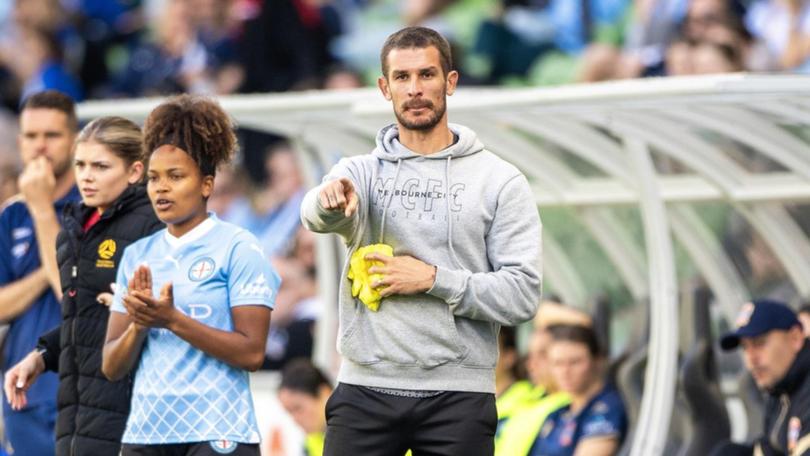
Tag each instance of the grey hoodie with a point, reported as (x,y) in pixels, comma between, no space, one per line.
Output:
(484,241)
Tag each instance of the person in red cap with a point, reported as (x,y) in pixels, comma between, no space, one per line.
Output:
(777,355)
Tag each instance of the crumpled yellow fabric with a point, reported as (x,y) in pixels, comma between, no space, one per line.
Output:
(361,280)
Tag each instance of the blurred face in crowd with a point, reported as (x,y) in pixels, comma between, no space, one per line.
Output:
(102,175)
(537,359)
(284,176)
(417,87)
(572,365)
(769,356)
(709,58)
(177,189)
(305,409)
(46,133)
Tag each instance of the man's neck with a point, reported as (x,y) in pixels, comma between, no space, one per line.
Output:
(63,186)
(426,142)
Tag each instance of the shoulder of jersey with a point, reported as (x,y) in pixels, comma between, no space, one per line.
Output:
(18,198)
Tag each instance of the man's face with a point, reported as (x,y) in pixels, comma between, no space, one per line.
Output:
(769,356)
(417,87)
(47,133)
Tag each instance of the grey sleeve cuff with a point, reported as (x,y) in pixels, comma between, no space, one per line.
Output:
(449,285)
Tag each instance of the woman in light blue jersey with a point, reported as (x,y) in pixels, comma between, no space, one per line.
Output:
(192,304)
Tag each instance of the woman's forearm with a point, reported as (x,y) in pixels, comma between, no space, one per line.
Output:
(121,353)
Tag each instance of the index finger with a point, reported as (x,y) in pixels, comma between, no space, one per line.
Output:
(374,256)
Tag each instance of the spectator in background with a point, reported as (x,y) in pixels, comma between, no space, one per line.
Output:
(804,318)
(217,27)
(28,229)
(35,61)
(303,392)
(228,190)
(777,355)
(594,423)
(172,60)
(512,390)
(287,46)
(303,250)
(9,157)
(272,212)
(783,28)
(294,315)
(108,30)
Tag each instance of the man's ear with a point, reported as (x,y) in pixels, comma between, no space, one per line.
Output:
(452,82)
(382,83)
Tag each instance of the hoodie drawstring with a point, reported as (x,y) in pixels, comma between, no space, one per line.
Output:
(447,182)
(388,204)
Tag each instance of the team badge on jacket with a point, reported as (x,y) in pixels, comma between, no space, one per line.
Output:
(106,250)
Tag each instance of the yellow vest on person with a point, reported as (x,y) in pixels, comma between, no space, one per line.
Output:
(314,444)
(520,395)
(520,431)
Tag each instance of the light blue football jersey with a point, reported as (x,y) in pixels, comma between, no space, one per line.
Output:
(180,393)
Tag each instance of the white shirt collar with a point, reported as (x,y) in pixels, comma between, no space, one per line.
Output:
(195,233)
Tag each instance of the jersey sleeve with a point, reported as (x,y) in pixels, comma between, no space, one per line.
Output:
(6,273)
(251,278)
(605,419)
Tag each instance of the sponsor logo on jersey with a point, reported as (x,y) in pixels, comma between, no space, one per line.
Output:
(258,287)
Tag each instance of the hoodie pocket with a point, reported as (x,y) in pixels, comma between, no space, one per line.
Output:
(405,332)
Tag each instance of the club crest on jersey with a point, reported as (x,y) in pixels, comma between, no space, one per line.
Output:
(224,446)
(201,269)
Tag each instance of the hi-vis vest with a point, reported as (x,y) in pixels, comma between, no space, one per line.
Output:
(520,395)
(520,431)
(314,444)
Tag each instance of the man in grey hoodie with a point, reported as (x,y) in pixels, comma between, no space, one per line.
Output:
(419,373)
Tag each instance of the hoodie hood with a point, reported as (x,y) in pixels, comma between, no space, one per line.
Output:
(390,149)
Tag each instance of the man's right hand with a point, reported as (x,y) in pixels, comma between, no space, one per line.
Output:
(20,377)
(37,184)
(339,195)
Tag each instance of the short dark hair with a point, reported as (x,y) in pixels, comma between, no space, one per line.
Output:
(56,100)
(302,376)
(196,124)
(577,334)
(420,38)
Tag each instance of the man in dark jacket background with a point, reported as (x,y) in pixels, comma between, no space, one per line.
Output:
(777,355)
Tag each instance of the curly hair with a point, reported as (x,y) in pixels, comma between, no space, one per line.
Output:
(197,125)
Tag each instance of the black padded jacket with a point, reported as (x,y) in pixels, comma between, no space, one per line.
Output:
(92,411)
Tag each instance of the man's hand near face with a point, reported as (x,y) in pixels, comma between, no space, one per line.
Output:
(37,185)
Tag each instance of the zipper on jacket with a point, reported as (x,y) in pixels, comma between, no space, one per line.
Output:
(74,271)
(784,401)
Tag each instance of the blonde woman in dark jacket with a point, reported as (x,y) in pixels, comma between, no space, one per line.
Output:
(114,212)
